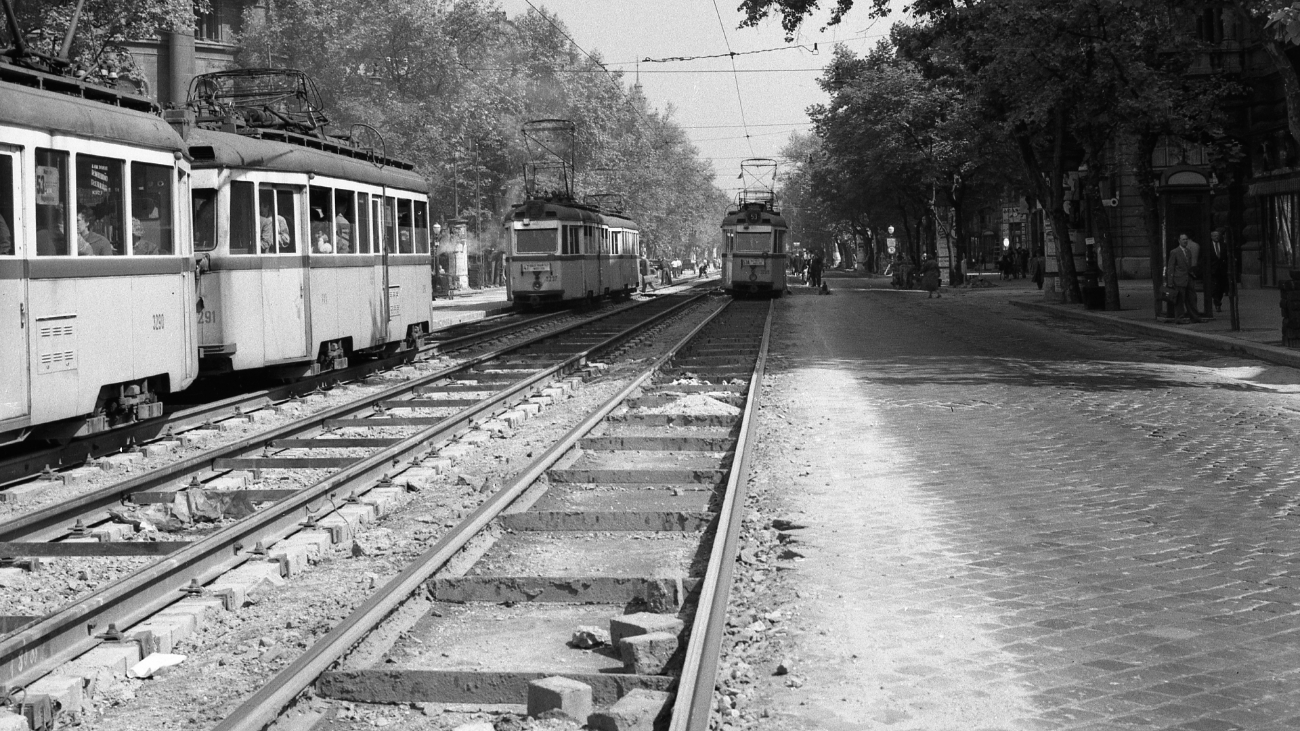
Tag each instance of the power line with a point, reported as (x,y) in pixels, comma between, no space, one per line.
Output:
(655,71)
(735,77)
(729,54)
(738,126)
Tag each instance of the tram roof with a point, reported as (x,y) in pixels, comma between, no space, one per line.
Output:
(61,113)
(224,149)
(764,217)
(540,210)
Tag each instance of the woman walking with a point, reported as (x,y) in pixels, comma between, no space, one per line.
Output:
(930,276)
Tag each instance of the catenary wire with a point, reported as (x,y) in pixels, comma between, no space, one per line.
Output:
(739,97)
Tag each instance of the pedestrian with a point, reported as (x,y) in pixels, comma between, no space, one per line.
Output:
(1178,276)
(815,271)
(1022,261)
(1039,268)
(1214,272)
(930,276)
(1194,256)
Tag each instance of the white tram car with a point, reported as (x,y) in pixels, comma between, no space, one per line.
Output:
(561,251)
(97,283)
(310,252)
(753,250)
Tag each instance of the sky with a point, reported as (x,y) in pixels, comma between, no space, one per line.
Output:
(764,97)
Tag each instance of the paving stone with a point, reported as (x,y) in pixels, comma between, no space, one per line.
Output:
(570,697)
(636,711)
(647,654)
(630,625)
(13,722)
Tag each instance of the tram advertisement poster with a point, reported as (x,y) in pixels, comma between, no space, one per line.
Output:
(47,186)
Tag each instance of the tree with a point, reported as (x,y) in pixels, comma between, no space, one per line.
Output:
(449,84)
(1063,80)
(99,53)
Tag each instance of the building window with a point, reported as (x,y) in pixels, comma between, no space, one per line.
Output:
(207,26)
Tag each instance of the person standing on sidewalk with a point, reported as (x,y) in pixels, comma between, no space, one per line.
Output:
(1194,256)
(1214,269)
(930,276)
(1178,275)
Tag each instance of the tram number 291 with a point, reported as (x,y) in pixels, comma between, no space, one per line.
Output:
(158,322)
(208,317)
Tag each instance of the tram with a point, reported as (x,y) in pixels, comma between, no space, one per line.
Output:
(97,293)
(754,237)
(562,251)
(312,249)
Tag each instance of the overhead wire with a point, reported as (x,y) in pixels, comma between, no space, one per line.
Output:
(735,77)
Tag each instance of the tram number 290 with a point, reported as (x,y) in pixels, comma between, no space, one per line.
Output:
(158,322)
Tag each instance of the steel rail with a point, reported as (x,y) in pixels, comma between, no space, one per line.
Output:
(35,650)
(700,670)
(52,521)
(263,707)
(113,440)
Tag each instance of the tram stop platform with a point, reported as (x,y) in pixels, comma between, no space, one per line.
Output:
(468,305)
(477,304)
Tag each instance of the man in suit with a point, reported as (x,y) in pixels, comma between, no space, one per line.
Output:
(1214,271)
(1178,275)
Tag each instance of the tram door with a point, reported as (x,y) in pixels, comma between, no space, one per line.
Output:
(284,276)
(15,310)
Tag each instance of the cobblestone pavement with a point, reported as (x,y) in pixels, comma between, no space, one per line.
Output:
(1020,523)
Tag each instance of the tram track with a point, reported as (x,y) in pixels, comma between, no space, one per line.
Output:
(604,487)
(33,649)
(47,463)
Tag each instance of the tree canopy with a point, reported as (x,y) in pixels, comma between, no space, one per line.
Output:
(450,83)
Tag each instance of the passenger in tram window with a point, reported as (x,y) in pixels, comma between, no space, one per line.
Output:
(342,222)
(90,243)
(320,233)
(205,220)
(274,236)
(142,246)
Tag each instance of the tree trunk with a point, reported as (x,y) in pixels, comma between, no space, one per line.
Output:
(1054,193)
(1110,273)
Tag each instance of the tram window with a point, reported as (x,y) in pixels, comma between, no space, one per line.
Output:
(570,242)
(390,223)
(751,241)
(244,224)
(7,221)
(151,210)
(780,243)
(51,184)
(344,217)
(99,206)
(535,241)
(284,210)
(320,211)
(405,238)
(205,218)
(421,227)
(363,223)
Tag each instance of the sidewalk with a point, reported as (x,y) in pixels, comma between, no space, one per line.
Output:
(1260,314)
